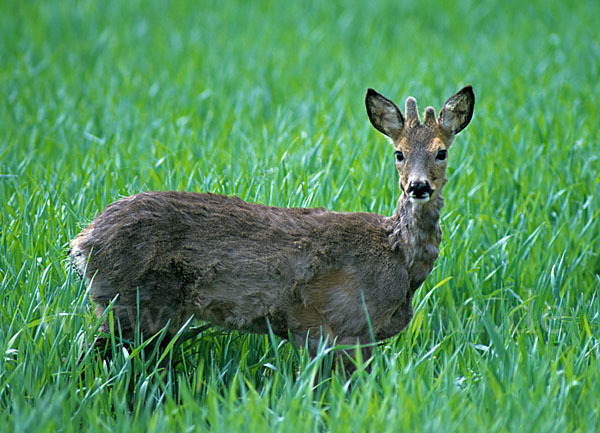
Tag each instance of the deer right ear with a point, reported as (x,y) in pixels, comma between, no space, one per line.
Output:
(384,115)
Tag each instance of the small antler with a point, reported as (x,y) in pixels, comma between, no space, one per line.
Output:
(412,115)
(429,117)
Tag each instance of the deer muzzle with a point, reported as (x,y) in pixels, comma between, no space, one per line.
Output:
(419,191)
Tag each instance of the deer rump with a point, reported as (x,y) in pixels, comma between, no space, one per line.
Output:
(161,257)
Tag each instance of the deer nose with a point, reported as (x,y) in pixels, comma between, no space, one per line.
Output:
(420,190)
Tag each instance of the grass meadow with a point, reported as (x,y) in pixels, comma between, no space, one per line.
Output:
(265,100)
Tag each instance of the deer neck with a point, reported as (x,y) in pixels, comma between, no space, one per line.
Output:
(416,235)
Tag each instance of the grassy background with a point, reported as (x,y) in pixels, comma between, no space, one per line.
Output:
(264,100)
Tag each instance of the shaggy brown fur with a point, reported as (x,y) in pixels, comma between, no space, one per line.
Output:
(246,266)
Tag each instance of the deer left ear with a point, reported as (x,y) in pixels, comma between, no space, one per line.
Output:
(458,111)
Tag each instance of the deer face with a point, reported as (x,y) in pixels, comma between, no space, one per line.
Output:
(421,149)
(421,163)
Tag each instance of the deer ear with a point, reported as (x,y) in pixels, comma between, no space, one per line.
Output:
(384,115)
(458,111)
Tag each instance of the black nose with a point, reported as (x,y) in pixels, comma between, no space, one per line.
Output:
(420,189)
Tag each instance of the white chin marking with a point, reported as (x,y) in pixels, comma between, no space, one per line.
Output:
(419,200)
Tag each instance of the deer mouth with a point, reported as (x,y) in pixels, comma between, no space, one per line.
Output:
(420,198)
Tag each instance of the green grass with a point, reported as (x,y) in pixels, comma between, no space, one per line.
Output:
(265,100)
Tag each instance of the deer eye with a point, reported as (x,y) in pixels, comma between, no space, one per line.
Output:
(441,155)
(399,156)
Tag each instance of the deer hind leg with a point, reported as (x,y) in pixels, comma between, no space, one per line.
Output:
(153,325)
(137,317)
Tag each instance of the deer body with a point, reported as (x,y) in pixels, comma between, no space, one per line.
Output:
(161,257)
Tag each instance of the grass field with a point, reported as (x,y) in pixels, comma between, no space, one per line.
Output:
(265,100)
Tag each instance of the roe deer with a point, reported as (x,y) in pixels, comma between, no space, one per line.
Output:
(161,257)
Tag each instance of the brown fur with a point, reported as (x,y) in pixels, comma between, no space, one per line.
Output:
(247,266)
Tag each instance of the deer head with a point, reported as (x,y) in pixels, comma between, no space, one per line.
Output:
(421,149)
